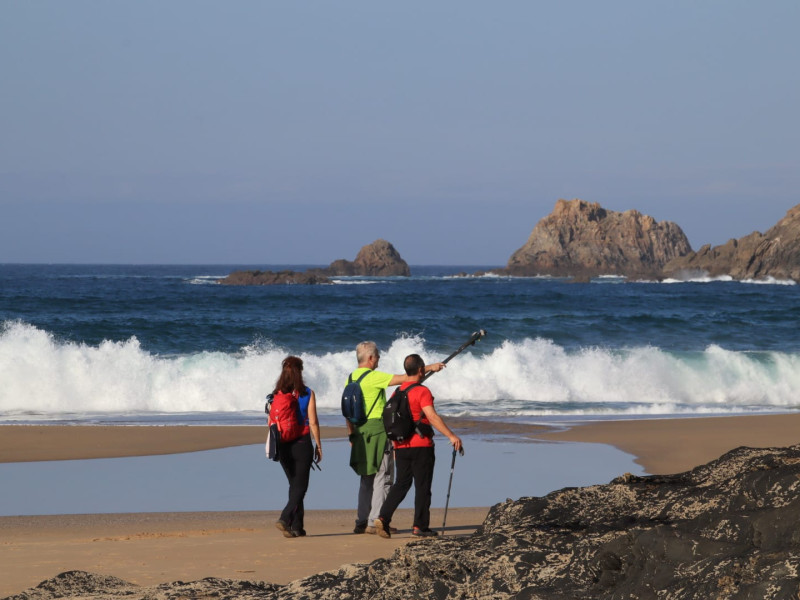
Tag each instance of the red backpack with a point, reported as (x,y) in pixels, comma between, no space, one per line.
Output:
(285,413)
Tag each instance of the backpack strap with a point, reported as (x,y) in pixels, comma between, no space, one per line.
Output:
(358,381)
(364,374)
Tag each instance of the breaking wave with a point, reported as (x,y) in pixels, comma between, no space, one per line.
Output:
(44,377)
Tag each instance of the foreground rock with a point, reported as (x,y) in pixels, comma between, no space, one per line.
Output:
(79,584)
(378,259)
(729,529)
(582,240)
(775,253)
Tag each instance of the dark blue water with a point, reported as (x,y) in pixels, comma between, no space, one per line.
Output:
(181,309)
(162,334)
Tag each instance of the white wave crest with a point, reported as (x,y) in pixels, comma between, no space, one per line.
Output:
(770,281)
(44,376)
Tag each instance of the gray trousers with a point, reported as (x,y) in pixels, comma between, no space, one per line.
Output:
(373,489)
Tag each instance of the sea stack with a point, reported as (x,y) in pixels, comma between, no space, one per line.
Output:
(379,258)
(775,254)
(581,239)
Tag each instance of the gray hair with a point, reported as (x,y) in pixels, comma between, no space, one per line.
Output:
(366,349)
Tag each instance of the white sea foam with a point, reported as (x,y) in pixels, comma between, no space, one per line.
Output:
(698,278)
(770,281)
(43,376)
(205,279)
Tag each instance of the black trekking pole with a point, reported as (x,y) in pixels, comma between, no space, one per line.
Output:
(449,485)
(470,342)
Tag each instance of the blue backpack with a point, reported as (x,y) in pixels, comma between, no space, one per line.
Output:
(353,401)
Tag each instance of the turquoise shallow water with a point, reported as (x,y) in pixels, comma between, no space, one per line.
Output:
(243,479)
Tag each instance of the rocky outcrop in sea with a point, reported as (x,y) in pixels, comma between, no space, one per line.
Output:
(581,239)
(274,278)
(379,259)
(726,530)
(775,254)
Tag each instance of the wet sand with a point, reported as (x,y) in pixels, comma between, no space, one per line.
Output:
(665,446)
(660,445)
(27,443)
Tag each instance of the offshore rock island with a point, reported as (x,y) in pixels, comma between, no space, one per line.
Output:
(727,529)
(775,254)
(378,259)
(582,240)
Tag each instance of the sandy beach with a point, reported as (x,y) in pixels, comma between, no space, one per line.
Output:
(153,548)
(150,548)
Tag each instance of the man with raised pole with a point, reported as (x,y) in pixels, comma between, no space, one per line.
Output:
(371,453)
(415,456)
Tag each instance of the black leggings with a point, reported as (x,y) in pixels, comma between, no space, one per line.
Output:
(295,458)
(413,464)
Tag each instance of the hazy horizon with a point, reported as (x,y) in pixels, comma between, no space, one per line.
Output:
(274,133)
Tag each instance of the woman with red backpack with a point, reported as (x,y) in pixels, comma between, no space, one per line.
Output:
(295,450)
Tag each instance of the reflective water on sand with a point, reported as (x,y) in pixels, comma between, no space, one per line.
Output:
(243,479)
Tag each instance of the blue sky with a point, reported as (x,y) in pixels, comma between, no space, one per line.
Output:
(296,132)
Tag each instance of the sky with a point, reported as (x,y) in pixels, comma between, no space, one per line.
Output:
(265,132)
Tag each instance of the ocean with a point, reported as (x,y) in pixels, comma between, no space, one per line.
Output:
(134,344)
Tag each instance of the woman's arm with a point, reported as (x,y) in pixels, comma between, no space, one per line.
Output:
(313,425)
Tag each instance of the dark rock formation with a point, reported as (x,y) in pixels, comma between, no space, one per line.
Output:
(272,278)
(79,584)
(729,529)
(378,258)
(775,253)
(342,267)
(581,239)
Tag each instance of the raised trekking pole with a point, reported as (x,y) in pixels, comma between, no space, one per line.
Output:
(470,342)
(447,503)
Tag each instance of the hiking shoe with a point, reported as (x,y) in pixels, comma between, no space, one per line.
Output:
(424,532)
(360,528)
(382,529)
(372,531)
(284,528)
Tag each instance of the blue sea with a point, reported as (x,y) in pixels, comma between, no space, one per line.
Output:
(169,344)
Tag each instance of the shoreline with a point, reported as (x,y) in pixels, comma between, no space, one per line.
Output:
(660,445)
(673,445)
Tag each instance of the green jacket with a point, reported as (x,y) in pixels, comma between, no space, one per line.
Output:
(368,443)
